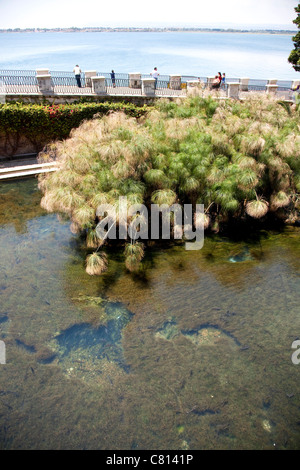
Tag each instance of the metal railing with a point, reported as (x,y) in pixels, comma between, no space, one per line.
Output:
(19,73)
(26,82)
(66,83)
(121,86)
(18,81)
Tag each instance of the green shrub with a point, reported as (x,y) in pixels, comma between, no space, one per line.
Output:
(241,160)
(45,123)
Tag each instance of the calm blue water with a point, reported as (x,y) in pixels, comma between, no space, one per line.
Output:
(199,54)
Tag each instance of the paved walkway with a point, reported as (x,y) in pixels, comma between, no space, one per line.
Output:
(74,90)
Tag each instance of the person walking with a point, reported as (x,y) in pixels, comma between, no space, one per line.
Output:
(77,72)
(155,75)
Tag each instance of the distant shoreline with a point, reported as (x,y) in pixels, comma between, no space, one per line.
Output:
(146,30)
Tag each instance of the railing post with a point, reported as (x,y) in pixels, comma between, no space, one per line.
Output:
(135,80)
(42,72)
(271,88)
(98,85)
(148,86)
(244,83)
(44,81)
(175,82)
(88,77)
(295,83)
(192,85)
(209,81)
(233,90)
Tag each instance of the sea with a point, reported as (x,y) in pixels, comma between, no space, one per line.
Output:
(200,54)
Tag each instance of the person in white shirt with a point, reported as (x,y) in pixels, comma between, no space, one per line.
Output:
(77,72)
(155,75)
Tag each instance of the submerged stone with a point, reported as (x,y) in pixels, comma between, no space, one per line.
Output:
(180,429)
(243,255)
(84,341)
(47,360)
(267,425)
(207,411)
(208,334)
(27,347)
(168,331)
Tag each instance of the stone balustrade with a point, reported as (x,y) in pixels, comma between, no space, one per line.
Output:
(295,84)
(244,84)
(88,77)
(135,80)
(45,83)
(233,90)
(133,85)
(271,88)
(192,86)
(42,72)
(98,85)
(210,81)
(175,82)
(148,86)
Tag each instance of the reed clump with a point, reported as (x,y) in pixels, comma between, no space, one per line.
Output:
(240,159)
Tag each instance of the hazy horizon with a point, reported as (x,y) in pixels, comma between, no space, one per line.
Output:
(283,27)
(237,14)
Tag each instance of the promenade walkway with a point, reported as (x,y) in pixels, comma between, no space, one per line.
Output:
(30,82)
(45,82)
(70,90)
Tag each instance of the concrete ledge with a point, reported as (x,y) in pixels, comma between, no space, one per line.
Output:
(272,88)
(148,86)
(135,80)
(233,90)
(27,170)
(98,85)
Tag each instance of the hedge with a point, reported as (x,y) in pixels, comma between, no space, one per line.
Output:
(45,123)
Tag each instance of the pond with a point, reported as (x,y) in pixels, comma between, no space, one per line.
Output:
(194,352)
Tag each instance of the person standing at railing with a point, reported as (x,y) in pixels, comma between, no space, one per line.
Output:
(223,84)
(155,75)
(77,72)
(113,78)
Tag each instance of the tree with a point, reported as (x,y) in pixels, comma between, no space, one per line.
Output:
(294,57)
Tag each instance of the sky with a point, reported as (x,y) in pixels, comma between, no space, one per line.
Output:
(191,13)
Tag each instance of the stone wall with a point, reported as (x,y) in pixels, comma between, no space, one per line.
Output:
(138,100)
(13,145)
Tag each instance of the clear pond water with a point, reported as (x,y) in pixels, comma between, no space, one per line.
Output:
(192,353)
